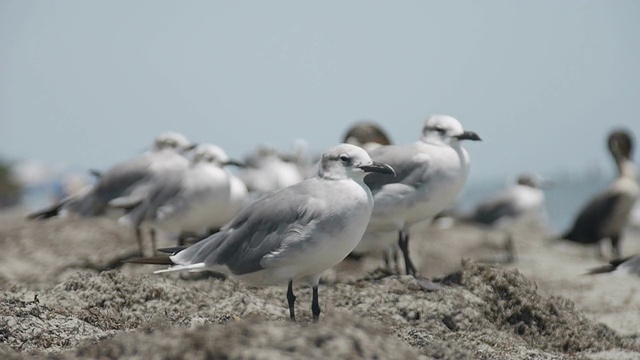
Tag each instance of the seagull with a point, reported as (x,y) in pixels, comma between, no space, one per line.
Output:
(523,200)
(129,178)
(519,203)
(294,233)
(607,214)
(431,173)
(628,265)
(202,197)
(266,171)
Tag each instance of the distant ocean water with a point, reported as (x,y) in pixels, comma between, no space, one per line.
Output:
(564,198)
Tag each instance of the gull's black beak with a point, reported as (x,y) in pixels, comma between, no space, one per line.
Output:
(190,147)
(379,168)
(237,163)
(468,135)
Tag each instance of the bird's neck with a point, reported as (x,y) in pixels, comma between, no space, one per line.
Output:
(626,168)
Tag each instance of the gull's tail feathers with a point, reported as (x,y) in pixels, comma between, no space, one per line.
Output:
(610,267)
(171,250)
(191,268)
(48,212)
(601,270)
(153,260)
(166,260)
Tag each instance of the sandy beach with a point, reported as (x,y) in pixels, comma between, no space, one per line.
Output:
(67,295)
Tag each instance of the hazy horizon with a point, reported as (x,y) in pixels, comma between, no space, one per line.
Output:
(89,84)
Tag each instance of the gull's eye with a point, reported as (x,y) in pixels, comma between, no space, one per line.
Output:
(440,130)
(345,158)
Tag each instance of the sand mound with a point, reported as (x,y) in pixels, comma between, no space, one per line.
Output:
(483,310)
(58,303)
(336,337)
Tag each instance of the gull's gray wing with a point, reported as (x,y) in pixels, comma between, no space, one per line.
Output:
(494,208)
(410,169)
(120,178)
(261,235)
(163,195)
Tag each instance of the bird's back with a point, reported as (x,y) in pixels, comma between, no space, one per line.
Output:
(429,178)
(296,231)
(590,224)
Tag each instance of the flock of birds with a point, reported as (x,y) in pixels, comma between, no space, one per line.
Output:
(283,220)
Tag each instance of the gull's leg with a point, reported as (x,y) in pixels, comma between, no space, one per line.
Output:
(424,283)
(388,262)
(396,259)
(403,242)
(599,252)
(139,240)
(291,299)
(154,243)
(510,247)
(391,259)
(182,239)
(615,246)
(315,307)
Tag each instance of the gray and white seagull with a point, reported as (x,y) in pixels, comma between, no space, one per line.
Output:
(431,172)
(193,202)
(291,234)
(131,178)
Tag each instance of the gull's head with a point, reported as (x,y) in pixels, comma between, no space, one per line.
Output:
(533,181)
(349,161)
(366,133)
(212,154)
(620,143)
(445,130)
(172,140)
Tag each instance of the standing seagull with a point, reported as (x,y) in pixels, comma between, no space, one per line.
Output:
(606,215)
(133,177)
(519,203)
(430,174)
(191,202)
(266,172)
(292,234)
(522,201)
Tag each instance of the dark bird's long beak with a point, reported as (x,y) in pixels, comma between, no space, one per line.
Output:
(237,163)
(468,135)
(379,168)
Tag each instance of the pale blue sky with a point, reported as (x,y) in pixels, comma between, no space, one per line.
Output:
(90,83)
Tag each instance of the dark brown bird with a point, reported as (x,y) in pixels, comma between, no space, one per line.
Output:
(366,134)
(606,215)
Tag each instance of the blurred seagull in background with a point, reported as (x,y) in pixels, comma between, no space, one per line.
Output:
(523,200)
(430,172)
(519,203)
(196,201)
(367,134)
(133,177)
(291,234)
(607,214)
(266,171)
